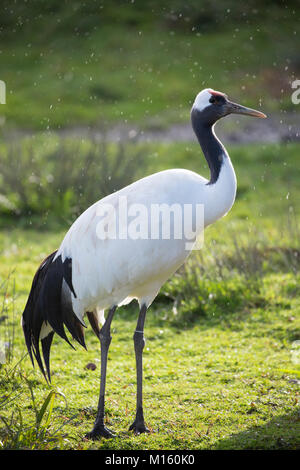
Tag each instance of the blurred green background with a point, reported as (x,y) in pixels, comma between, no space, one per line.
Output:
(96,62)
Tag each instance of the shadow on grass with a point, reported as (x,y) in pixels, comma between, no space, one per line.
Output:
(282,432)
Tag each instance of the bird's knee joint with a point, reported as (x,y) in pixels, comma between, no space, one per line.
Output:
(139,340)
(105,339)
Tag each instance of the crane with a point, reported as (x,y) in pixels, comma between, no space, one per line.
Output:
(104,261)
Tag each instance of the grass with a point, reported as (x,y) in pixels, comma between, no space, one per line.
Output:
(219,369)
(45,176)
(145,74)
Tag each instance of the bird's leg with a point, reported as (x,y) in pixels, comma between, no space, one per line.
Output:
(138,426)
(100,430)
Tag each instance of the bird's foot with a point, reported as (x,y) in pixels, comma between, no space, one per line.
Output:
(98,432)
(138,427)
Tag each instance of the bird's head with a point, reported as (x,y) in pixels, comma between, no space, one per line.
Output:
(210,106)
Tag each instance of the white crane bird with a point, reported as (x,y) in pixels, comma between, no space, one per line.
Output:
(89,274)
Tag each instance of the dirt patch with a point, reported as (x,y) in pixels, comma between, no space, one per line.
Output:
(282,127)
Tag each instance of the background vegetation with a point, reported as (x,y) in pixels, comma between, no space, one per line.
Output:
(94,63)
(222,354)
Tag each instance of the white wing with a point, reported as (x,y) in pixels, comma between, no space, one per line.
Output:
(113,271)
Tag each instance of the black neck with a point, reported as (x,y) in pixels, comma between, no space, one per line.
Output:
(212,148)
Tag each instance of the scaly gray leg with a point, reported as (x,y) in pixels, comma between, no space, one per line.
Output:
(138,426)
(100,430)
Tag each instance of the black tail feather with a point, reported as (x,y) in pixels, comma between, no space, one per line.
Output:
(50,303)
(50,298)
(46,346)
(32,319)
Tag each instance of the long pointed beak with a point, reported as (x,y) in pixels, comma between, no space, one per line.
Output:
(234,108)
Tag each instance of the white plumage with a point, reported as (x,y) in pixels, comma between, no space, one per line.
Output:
(110,272)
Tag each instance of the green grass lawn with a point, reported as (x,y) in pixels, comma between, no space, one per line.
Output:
(220,363)
(147,75)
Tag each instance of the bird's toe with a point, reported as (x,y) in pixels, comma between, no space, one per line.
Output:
(99,432)
(139,428)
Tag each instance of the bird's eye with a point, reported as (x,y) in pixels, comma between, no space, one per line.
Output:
(217,99)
